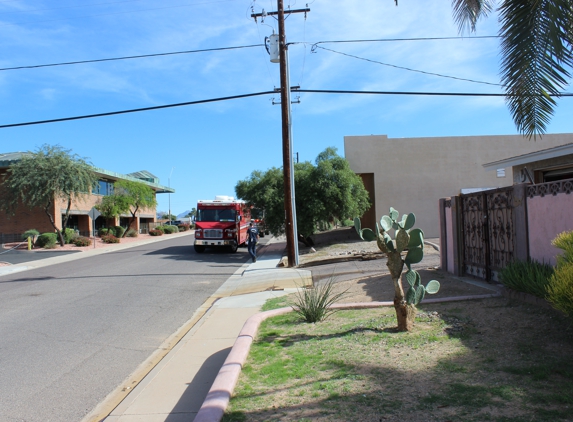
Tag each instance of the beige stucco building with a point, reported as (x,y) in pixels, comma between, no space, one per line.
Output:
(412,174)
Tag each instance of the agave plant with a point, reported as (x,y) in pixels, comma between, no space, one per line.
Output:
(405,249)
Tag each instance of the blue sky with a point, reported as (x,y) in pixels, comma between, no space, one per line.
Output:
(203,150)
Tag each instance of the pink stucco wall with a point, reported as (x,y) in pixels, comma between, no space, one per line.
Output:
(450,239)
(547,216)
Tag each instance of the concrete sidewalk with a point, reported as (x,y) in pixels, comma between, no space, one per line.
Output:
(175,385)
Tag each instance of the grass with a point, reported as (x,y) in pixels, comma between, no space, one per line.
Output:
(488,360)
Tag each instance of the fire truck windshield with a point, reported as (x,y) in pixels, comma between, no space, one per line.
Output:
(216,215)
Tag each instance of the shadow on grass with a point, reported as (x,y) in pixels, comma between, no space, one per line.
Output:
(489,360)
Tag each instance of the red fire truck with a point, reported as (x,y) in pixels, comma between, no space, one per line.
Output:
(222,222)
(258,218)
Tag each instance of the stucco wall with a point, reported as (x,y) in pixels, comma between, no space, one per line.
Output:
(547,216)
(412,174)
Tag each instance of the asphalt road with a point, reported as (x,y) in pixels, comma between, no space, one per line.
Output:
(71,333)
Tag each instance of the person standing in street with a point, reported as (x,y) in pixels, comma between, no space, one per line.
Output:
(252,239)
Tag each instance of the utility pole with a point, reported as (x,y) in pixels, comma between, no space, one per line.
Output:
(288,169)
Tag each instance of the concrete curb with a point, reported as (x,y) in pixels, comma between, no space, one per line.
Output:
(45,262)
(220,393)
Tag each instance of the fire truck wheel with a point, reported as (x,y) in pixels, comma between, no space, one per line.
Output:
(199,248)
(233,248)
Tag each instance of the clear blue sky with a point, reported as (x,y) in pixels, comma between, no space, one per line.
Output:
(203,150)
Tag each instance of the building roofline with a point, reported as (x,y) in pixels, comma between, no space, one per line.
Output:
(13,157)
(159,188)
(544,154)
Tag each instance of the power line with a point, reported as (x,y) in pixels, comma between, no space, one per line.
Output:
(406,39)
(130,57)
(445,94)
(404,68)
(234,97)
(136,110)
(237,47)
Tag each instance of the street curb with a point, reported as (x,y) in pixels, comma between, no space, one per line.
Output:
(217,400)
(46,262)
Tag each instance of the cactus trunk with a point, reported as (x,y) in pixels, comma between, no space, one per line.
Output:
(405,314)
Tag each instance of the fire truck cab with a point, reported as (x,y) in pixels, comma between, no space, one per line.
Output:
(222,222)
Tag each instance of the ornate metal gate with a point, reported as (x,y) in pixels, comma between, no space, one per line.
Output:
(488,232)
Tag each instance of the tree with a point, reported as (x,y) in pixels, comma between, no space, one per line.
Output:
(192,214)
(42,178)
(110,207)
(536,50)
(325,192)
(131,196)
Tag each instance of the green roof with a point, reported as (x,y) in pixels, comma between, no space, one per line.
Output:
(9,158)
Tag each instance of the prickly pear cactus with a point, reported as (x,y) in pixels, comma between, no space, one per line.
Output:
(406,248)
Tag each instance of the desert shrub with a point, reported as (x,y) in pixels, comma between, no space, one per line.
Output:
(160,228)
(527,276)
(31,233)
(170,229)
(132,233)
(560,288)
(155,232)
(347,223)
(103,231)
(118,231)
(109,238)
(313,304)
(564,241)
(69,235)
(47,240)
(81,241)
(183,227)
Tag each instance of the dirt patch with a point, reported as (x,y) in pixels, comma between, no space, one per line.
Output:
(360,268)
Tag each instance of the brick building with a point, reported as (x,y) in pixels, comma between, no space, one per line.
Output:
(25,218)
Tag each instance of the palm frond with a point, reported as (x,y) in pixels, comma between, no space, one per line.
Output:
(468,12)
(536,56)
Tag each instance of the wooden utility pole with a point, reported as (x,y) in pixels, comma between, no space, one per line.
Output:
(290,228)
(285,105)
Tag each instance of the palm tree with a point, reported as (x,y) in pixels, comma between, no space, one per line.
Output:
(536,48)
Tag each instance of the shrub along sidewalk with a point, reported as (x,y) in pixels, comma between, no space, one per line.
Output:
(99,243)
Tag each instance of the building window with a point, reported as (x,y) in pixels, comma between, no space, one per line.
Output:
(103,187)
(557,174)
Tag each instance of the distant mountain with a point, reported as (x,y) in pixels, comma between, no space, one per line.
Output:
(183,214)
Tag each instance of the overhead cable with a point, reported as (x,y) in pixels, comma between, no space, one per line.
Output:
(131,57)
(136,110)
(234,97)
(233,48)
(315,46)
